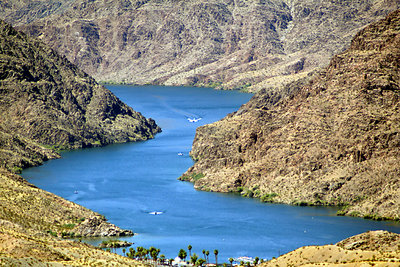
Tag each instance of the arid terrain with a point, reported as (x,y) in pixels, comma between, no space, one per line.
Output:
(310,136)
(333,141)
(231,44)
(376,248)
(48,104)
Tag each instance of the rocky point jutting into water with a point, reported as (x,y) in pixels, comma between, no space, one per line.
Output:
(46,101)
(229,43)
(333,141)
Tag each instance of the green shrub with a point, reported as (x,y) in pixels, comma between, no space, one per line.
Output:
(68,226)
(247,193)
(52,233)
(192,177)
(16,170)
(268,197)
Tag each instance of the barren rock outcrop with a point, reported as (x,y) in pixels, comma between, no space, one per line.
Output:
(223,43)
(333,141)
(374,248)
(46,99)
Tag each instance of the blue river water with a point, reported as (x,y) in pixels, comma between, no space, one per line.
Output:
(135,186)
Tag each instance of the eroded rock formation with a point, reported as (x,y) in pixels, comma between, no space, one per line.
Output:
(333,141)
(46,99)
(223,43)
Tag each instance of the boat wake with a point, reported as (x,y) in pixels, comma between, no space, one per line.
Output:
(191,117)
(156,213)
(194,119)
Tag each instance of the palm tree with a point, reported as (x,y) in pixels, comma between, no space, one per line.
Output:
(200,262)
(162,258)
(231,261)
(204,253)
(194,258)
(216,256)
(190,251)
(208,253)
(182,254)
(139,252)
(256,259)
(154,253)
(131,253)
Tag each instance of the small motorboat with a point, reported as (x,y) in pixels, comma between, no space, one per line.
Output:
(193,119)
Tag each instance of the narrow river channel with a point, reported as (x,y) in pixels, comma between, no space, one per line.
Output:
(135,186)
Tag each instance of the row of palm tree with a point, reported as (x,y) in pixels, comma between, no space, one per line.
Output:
(194,259)
(152,253)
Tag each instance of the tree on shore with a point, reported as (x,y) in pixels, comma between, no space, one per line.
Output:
(200,262)
(131,253)
(194,258)
(256,260)
(216,256)
(204,254)
(231,261)
(182,254)
(141,252)
(190,251)
(154,253)
(208,253)
(162,258)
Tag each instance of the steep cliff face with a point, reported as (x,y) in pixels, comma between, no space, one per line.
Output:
(333,141)
(46,99)
(229,43)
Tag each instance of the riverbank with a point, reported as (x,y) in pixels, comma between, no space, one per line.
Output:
(48,104)
(330,141)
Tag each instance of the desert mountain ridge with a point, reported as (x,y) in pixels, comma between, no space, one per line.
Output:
(33,72)
(46,99)
(332,141)
(231,44)
(46,103)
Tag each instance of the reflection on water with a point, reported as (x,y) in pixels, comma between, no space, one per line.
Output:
(135,186)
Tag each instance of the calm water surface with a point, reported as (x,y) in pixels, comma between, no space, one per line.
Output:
(129,182)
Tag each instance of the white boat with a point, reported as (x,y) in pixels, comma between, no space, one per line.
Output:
(156,212)
(193,119)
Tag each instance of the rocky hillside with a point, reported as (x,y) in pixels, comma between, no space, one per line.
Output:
(376,248)
(33,209)
(46,99)
(333,141)
(26,247)
(224,43)
(46,102)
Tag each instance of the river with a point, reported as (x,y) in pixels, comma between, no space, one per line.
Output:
(130,183)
